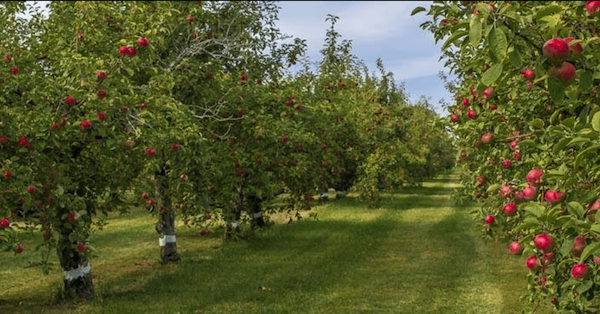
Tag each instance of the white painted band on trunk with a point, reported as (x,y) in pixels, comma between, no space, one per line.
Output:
(257,215)
(339,193)
(326,194)
(234,224)
(167,239)
(73,274)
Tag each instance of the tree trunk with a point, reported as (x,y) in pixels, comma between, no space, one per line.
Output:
(237,213)
(257,218)
(166,220)
(77,274)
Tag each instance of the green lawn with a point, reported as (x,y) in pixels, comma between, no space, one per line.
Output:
(417,253)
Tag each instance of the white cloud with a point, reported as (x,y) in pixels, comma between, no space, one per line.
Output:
(410,68)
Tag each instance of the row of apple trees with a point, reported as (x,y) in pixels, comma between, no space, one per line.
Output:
(186,109)
(527,123)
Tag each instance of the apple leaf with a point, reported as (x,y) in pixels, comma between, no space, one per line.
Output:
(498,43)
(585,82)
(454,37)
(581,155)
(589,250)
(492,74)
(547,10)
(417,10)
(596,121)
(475,28)
(535,209)
(560,145)
(585,286)
(515,59)
(575,209)
(557,90)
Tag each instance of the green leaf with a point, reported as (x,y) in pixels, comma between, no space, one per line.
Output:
(565,249)
(492,74)
(547,10)
(537,123)
(585,286)
(560,145)
(417,10)
(595,228)
(498,43)
(455,36)
(493,187)
(557,90)
(585,82)
(526,143)
(596,121)
(589,251)
(575,209)
(475,31)
(581,155)
(578,140)
(535,209)
(515,59)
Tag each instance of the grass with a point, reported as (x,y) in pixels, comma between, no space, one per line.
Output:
(417,253)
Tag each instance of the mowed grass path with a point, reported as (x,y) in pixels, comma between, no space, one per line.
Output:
(417,253)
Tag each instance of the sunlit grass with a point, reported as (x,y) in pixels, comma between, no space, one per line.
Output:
(417,253)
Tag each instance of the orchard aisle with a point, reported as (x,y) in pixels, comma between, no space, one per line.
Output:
(417,253)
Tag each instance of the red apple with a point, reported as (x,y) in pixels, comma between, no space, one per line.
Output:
(101,116)
(574,49)
(506,164)
(31,189)
(131,51)
(592,8)
(516,248)
(4,223)
(509,209)
(465,102)
(579,271)
(566,73)
(190,19)
(528,74)
(101,93)
(534,176)
(70,100)
(544,242)
(517,155)
(150,151)
(81,248)
(85,124)
(529,193)
(8,174)
(14,70)
(489,219)
(578,245)
(487,137)
(553,196)
(556,49)
(123,50)
(143,42)
(101,75)
(72,216)
(471,114)
(19,249)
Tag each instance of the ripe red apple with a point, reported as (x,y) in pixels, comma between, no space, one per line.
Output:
(258,81)
(20,249)
(131,51)
(81,248)
(517,155)
(55,126)
(72,216)
(488,92)
(553,196)
(243,77)
(190,19)
(487,137)
(514,144)
(556,49)
(24,142)
(31,189)
(489,219)
(516,248)
(285,139)
(593,209)
(506,191)
(454,117)
(471,114)
(534,176)
(596,260)
(444,22)
(531,262)
(70,100)
(529,193)
(14,70)
(480,180)
(144,196)
(101,116)
(7,58)
(175,147)
(592,8)
(101,75)
(80,37)
(208,75)
(528,74)
(298,107)
(506,164)
(123,50)
(143,105)
(579,271)
(509,209)
(143,42)
(63,121)
(465,102)
(85,124)
(544,242)
(4,223)
(578,246)
(101,93)
(150,151)
(151,202)
(566,73)
(493,107)
(183,176)
(8,174)
(574,49)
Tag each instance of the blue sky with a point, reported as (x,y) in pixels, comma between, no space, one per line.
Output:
(378,29)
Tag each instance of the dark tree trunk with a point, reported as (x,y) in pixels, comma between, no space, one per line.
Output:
(257,218)
(234,227)
(77,274)
(166,220)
